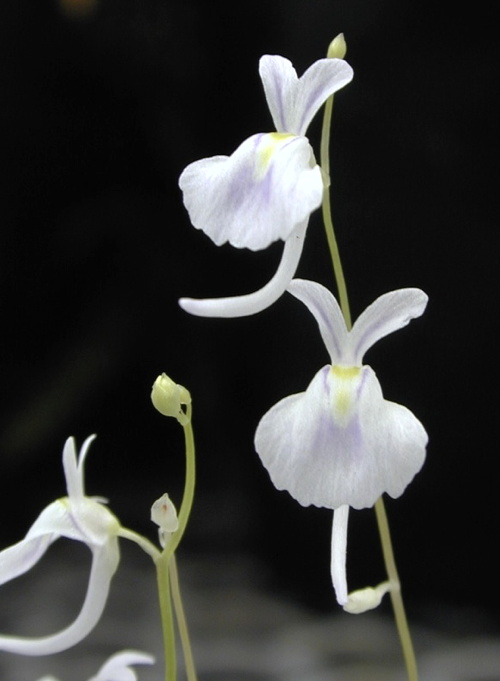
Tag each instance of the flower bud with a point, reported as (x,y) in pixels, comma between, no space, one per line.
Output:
(169,398)
(337,48)
(164,514)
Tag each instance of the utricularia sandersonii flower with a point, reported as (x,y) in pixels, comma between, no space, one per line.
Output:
(267,189)
(340,443)
(79,517)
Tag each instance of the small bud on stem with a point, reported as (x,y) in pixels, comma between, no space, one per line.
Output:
(169,398)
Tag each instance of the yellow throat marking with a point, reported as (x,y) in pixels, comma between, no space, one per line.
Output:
(268,145)
(345,381)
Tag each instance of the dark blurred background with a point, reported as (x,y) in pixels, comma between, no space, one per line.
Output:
(104,102)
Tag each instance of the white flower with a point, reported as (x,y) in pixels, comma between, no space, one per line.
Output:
(117,668)
(76,517)
(267,189)
(340,443)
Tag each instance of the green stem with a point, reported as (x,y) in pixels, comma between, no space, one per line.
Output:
(327,213)
(166,569)
(167,620)
(181,621)
(396,597)
(141,541)
(383,525)
(189,484)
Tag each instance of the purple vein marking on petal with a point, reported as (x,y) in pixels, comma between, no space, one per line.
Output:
(357,434)
(265,183)
(328,323)
(353,427)
(329,430)
(279,91)
(236,192)
(319,312)
(322,320)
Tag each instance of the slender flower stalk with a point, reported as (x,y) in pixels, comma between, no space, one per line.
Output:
(167,620)
(381,515)
(171,399)
(339,444)
(189,485)
(395,592)
(337,49)
(181,620)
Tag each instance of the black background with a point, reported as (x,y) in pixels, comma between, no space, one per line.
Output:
(102,107)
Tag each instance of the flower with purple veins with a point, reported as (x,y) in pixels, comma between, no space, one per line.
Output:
(340,444)
(267,189)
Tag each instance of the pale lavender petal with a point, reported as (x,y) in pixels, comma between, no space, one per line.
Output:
(322,79)
(280,81)
(252,303)
(258,195)
(390,312)
(325,309)
(338,553)
(293,101)
(117,668)
(21,557)
(340,442)
(104,564)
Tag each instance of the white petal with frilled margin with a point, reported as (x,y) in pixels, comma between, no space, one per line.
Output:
(258,195)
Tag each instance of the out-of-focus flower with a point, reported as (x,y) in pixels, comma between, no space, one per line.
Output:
(340,443)
(117,668)
(77,517)
(267,189)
